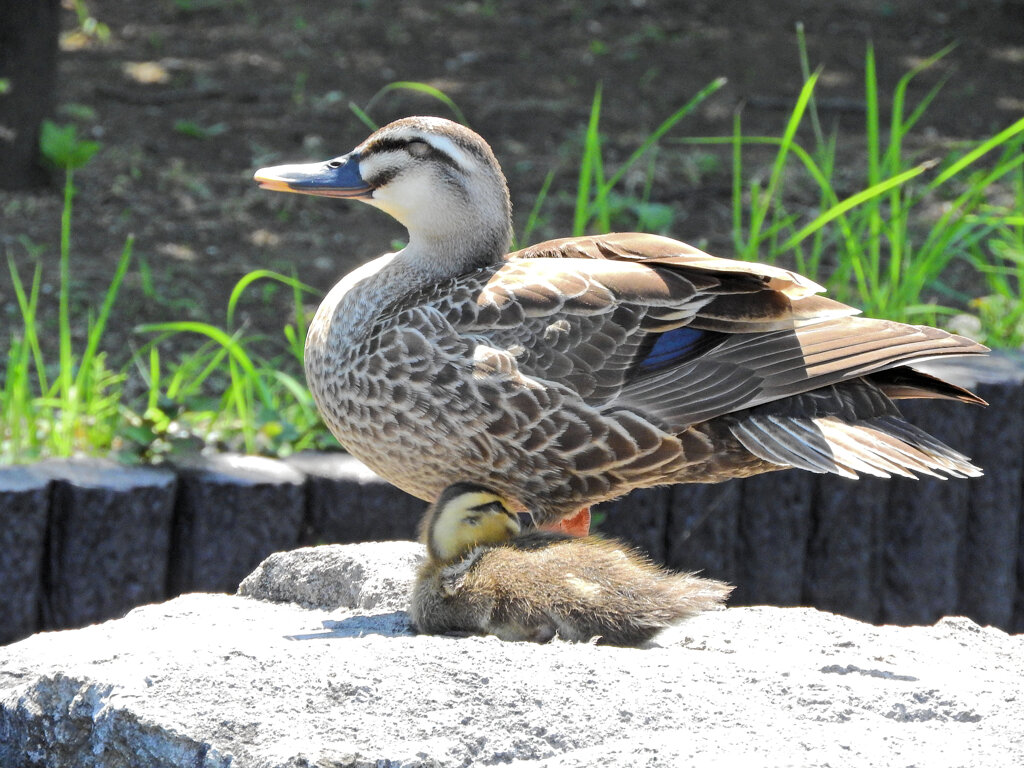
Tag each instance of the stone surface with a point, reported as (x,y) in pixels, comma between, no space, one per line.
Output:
(217,681)
(376,575)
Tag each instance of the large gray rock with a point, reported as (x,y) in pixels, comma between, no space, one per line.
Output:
(217,680)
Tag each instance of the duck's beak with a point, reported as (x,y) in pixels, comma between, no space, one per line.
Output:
(339,177)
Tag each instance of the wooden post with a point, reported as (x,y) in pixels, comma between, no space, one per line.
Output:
(702,529)
(639,518)
(926,525)
(28,69)
(346,502)
(988,562)
(774,526)
(109,532)
(24,508)
(232,511)
(843,569)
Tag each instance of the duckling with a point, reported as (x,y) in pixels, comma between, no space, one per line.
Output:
(484,574)
(573,371)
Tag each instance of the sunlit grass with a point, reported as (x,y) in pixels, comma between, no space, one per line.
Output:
(59,408)
(263,401)
(880,248)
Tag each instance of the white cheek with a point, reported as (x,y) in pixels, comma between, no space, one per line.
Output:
(405,194)
(418,201)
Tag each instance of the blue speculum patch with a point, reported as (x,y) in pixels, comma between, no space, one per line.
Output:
(672,347)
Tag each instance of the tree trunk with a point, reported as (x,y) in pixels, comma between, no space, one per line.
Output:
(28,73)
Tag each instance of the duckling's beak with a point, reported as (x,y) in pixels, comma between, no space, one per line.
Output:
(339,177)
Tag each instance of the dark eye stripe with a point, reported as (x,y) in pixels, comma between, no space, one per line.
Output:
(382,178)
(490,506)
(392,145)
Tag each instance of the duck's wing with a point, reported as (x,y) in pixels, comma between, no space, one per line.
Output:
(652,325)
(639,247)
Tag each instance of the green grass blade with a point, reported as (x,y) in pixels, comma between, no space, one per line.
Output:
(261,274)
(979,151)
(591,147)
(853,201)
(96,332)
(872,123)
(737,183)
(228,342)
(538,203)
(805,72)
(28,305)
(665,126)
(760,211)
(364,118)
(65,375)
(153,396)
(423,88)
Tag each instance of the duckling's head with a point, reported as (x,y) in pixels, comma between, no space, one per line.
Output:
(466,515)
(438,178)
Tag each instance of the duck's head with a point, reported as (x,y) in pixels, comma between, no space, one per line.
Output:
(467,515)
(437,178)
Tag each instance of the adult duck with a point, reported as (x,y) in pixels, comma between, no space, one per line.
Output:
(576,370)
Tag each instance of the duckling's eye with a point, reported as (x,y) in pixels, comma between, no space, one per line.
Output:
(471,520)
(417,148)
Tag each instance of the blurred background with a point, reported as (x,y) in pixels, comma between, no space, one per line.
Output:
(167,107)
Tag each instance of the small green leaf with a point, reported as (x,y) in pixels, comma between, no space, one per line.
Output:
(197,131)
(61,145)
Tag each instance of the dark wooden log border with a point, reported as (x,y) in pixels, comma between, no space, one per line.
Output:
(85,540)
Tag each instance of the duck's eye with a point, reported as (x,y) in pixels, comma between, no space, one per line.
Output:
(417,148)
(471,520)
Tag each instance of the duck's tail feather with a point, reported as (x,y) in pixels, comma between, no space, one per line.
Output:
(882,446)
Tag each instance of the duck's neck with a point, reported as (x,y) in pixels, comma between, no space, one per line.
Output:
(429,259)
(425,261)
(452,231)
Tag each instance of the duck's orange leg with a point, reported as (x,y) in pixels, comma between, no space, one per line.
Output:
(577,524)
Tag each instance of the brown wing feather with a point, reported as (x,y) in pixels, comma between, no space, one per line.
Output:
(575,316)
(749,369)
(640,247)
(579,311)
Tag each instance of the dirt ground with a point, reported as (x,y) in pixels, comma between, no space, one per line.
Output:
(188,97)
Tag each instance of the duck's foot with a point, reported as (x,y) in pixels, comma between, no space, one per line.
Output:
(577,524)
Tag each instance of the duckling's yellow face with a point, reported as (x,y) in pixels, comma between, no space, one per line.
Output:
(467,516)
